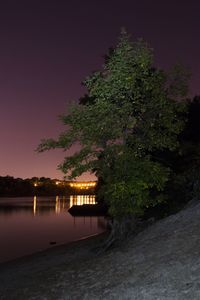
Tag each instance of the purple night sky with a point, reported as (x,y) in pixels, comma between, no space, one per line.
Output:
(49,47)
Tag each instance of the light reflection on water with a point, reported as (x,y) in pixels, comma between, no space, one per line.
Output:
(30,224)
(82,199)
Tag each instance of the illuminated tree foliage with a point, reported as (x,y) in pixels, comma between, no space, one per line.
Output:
(133,113)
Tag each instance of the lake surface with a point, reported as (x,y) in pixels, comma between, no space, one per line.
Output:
(32,224)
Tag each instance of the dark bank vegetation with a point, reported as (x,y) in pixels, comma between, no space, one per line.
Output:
(139,134)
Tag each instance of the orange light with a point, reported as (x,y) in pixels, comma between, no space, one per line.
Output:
(83,185)
(34,205)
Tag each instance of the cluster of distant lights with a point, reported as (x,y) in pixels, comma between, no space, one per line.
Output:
(83,185)
(77,185)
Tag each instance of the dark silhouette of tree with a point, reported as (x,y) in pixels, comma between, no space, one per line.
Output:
(189,159)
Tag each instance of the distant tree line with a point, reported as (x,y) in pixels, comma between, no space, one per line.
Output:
(18,187)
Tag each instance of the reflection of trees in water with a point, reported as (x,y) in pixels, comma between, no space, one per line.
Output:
(10,209)
(91,220)
(44,206)
(37,205)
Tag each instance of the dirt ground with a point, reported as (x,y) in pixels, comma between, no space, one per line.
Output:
(161,262)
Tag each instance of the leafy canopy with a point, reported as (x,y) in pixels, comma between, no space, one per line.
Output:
(133,113)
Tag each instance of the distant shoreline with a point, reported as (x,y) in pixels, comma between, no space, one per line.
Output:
(41,186)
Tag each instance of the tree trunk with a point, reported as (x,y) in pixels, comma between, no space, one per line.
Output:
(120,230)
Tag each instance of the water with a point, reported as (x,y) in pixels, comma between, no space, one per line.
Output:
(32,224)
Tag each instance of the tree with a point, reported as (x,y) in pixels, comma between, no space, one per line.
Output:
(131,112)
(187,180)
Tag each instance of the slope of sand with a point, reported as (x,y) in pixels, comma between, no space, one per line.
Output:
(162,262)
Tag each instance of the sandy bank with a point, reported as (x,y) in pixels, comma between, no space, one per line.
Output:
(162,262)
(25,276)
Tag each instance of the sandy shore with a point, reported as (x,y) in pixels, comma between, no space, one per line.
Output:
(160,263)
(24,277)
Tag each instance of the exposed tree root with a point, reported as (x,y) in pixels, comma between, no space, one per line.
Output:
(120,230)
